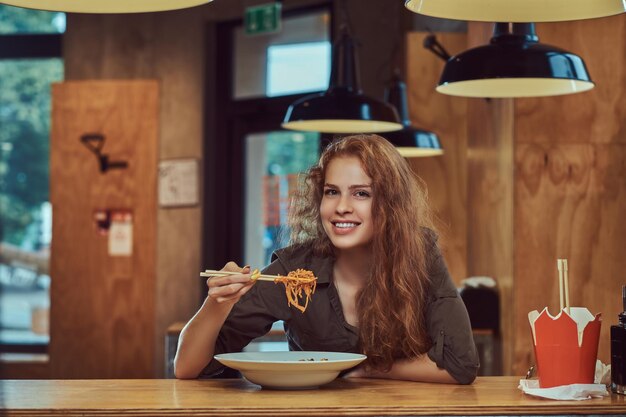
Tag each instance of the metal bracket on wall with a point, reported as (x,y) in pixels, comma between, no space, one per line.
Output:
(95,142)
(432,44)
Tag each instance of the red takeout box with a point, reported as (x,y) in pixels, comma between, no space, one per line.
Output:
(566,346)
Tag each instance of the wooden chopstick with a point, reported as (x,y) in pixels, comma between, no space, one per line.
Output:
(566,284)
(261,277)
(214,273)
(561,264)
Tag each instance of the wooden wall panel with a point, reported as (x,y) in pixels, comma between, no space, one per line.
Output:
(102,307)
(445,175)
(572,198)
(570,186)
(596,116)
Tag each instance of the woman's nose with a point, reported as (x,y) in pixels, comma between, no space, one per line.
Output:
(344,206)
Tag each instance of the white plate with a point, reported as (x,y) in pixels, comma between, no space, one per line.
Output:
(290,370)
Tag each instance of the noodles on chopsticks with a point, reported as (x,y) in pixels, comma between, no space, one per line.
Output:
(298,282)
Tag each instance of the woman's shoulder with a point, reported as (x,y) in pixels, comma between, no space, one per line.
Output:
(440,281)
(431,247)
(430,235)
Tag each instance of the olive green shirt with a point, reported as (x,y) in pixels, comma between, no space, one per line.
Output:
(323,327)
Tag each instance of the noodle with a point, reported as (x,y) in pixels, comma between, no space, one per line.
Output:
(295,283)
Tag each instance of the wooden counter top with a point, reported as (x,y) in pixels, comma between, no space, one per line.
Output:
(346,397)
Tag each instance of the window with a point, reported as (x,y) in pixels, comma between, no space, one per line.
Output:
(286,65)
(295,60)
(30,60)
(274,161)
(16,20)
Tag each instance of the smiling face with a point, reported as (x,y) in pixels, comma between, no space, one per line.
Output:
(346,207)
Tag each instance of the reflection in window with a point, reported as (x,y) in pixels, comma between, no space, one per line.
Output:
(274,161)
(25,213)
(286,65)
(25,224)
(17,20)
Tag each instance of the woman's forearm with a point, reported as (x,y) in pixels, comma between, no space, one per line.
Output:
(421,369)
(196,343)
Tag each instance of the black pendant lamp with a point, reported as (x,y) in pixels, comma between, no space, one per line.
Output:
(517,10)
(409,141)
(514,64)
(342,108)
(105,6)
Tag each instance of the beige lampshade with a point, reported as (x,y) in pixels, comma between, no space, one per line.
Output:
(517,10)
(412,152)
(342,125)
(105,6)
(342,108)
(514,64)
(514,87)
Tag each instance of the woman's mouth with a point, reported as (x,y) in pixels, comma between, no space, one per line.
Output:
(344,227)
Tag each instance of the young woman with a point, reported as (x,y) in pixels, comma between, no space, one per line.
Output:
(361,223)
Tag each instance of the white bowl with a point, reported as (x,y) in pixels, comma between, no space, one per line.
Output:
(290,370)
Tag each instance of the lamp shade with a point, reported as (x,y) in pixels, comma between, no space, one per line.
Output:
(105,6)
(409,141)
(517,10)
(342,108)
(514,65)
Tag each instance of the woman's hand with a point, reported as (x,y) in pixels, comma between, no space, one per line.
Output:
(362,372)
(229,289)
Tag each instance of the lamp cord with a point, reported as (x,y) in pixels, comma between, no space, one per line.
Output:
(345,15)
(391,64)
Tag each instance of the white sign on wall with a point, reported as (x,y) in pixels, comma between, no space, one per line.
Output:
(178,183)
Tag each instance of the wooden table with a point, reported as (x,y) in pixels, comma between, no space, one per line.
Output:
(233,397)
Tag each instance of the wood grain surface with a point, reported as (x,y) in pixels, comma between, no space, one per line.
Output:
(445,175)
(570,185)
(345,397)
(546,181)
(102,306)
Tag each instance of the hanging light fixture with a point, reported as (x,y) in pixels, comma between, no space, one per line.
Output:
(409,141)
(514,64)
(517,10)
(105,6)
(343,108)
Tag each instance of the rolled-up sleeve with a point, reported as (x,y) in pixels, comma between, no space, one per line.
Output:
(449,327)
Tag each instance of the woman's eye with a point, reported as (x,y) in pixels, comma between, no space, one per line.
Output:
(362,194)
(330,191)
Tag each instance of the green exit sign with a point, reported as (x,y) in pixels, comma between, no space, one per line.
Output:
(264,18)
